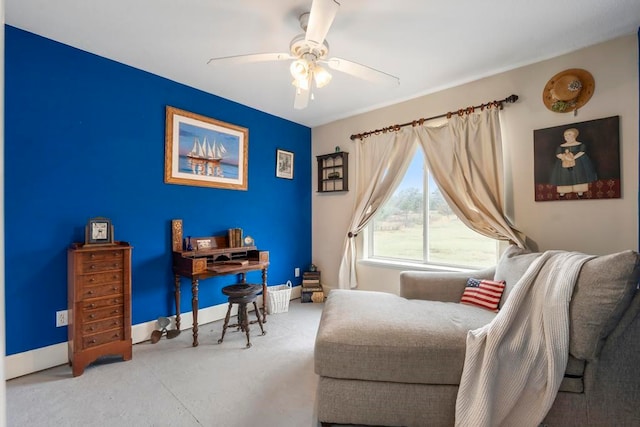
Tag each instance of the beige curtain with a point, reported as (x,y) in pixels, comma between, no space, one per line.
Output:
(465,159)
(381,162)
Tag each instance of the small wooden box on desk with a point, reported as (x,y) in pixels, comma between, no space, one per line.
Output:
(99,301)
(311,287)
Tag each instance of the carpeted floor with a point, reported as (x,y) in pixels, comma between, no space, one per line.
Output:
(171,383)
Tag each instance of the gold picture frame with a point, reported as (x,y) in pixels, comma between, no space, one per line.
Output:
(205,152)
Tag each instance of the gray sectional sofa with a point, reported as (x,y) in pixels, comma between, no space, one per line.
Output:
(392,360)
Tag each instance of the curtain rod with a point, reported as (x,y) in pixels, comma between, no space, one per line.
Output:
(394,128)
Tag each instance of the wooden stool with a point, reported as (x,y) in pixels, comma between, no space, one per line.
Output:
(242,294)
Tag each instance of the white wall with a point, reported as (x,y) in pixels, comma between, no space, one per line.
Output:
(591,226)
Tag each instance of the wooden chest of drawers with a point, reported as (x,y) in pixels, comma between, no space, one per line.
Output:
(99,297)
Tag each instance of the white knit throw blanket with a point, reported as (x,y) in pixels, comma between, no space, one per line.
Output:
(514,365)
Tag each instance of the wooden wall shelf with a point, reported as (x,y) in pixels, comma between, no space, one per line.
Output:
(333,172)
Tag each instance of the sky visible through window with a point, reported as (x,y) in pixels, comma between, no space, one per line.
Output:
(414,176)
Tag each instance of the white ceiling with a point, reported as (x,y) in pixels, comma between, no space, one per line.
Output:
(429,45)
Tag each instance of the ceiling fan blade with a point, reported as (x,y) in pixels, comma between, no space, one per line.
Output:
(361,71)
(322,14)
(302,99)
(254,57)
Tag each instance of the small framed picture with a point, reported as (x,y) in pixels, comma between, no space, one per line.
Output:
(99,231)
(203,244)
(284,164)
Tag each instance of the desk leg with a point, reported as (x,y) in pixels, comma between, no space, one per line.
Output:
(194,307)
(177,293)
(264,295)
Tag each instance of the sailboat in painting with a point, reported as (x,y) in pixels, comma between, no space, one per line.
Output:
(205,158)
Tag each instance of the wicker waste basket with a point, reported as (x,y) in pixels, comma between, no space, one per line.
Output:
(278,298)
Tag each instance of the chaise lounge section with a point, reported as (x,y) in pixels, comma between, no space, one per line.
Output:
(393,360)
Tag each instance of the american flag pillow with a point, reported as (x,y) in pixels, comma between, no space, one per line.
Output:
(483,293)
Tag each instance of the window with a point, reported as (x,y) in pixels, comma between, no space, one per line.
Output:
(416,225)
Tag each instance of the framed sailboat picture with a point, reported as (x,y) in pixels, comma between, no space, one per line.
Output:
(204,152)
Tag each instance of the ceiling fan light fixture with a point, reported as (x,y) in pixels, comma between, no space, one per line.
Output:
(311,48)
(301,84)
(299,69)
(321,76)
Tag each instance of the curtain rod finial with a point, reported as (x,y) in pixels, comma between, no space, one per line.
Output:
(511,99)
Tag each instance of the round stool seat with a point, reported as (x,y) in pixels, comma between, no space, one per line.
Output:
(241,290)
(246,299)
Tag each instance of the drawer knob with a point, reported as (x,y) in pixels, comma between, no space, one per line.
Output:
(92,316)
(93,266)
(92,305)
(90,292)
(93,279)
(115,288)
(93,256)
(115,312)
(91,329)
(93,341)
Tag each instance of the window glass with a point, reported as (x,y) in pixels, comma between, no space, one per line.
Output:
(417,225)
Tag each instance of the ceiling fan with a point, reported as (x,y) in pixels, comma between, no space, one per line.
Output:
(309,52)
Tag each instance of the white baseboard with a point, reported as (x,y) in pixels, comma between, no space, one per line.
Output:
(19,364)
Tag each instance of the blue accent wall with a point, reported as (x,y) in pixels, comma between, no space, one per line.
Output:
(85,137)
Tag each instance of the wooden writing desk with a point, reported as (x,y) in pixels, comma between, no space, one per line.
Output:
(213,258)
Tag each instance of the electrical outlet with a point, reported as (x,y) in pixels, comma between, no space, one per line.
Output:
(297,271)
(62,318)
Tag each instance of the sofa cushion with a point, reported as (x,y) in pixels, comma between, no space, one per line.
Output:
(378,336)
(603,292)
(483,293)
(604,289)
(511,266)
